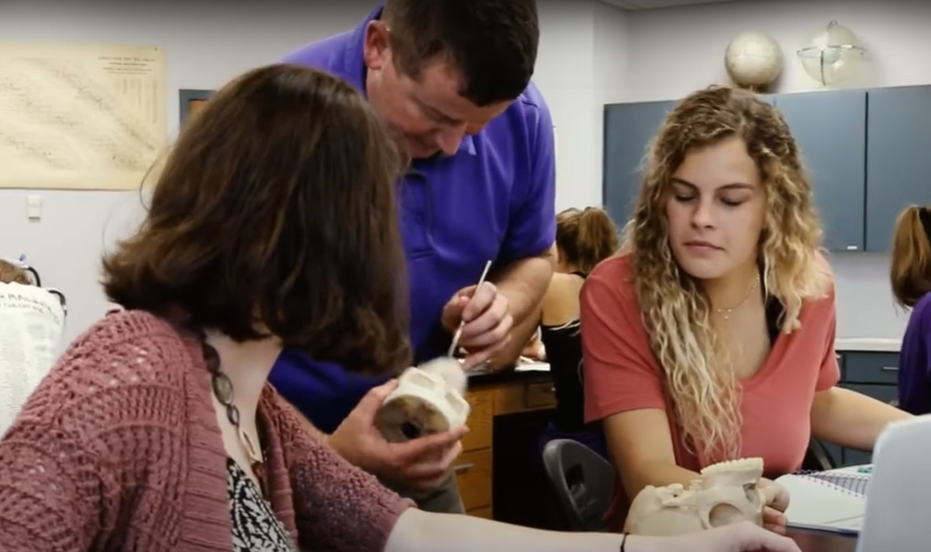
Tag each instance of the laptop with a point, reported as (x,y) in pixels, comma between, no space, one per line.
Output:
(899,494)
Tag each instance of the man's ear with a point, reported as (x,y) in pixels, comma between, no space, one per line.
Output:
(376,49)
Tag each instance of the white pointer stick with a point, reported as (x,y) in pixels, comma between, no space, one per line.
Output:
(458,334)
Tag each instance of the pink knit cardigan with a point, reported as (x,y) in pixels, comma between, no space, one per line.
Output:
(119,449)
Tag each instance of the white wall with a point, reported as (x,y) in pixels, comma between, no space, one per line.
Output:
(206,46)
(590,54)
(675,51)
(611,64)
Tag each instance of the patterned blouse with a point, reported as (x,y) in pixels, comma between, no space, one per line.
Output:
(255,527)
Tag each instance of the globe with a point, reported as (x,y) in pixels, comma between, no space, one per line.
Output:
(753,60)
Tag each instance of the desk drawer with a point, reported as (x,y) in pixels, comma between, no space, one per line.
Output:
(474,476)
(871,367)
(481,420)
(524,397)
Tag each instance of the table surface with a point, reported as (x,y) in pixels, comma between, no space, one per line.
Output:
(816,541)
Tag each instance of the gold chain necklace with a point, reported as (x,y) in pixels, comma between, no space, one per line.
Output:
(726,313)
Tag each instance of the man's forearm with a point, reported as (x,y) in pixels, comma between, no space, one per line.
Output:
(524,283)
(520,336)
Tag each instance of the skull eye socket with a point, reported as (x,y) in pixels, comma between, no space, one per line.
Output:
(724,514)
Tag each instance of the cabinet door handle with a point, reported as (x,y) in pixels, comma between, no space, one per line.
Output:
(463,467)
(890,368)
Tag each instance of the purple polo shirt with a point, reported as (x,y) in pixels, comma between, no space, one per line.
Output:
(494,199)
(915,360)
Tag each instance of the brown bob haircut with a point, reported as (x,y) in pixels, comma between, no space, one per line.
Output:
(274,214)
(493,43)
(910,267)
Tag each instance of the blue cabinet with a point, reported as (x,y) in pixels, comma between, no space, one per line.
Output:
(628,130)
(898,159)
(867,153)
(830,129)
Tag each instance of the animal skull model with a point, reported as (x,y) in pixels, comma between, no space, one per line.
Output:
(428,399)
(726,493)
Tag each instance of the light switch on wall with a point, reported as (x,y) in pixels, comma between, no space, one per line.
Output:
(34,207)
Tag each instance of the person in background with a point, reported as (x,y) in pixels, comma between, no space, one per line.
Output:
(711,337)
(11,273)
(584,238)
(451,81)
(910,276)
(157,430)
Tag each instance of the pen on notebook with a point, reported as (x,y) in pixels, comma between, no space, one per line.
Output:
(458,334)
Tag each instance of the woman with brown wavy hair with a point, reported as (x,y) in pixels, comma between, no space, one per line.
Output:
(910,277)
(272,224)
(711,337)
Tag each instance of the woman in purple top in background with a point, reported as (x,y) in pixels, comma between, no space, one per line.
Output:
(910,274)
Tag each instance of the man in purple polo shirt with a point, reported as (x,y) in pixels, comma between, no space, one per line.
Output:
(451,80)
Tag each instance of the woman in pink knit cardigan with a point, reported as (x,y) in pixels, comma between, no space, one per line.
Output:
(272,223)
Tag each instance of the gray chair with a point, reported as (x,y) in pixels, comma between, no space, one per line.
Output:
(34,278)
(818,457)
(584,483)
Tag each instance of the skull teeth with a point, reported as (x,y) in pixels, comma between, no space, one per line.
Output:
(740,464)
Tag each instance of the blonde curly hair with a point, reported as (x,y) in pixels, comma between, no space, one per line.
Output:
(700,385)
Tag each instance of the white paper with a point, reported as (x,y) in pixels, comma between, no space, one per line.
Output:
(530,365)
(31,324)
(818,503)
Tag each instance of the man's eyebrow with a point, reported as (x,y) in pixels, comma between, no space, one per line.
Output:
(432,111)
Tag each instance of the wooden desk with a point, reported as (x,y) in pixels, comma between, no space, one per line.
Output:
(490,396)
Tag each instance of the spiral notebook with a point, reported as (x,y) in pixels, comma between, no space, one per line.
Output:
(833,500)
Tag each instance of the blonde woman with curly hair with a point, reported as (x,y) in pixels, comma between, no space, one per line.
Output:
(711,336)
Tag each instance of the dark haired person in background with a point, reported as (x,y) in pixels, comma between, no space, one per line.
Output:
(910,276)
(584,238)
(451,81)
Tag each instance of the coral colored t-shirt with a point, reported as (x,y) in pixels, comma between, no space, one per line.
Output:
(622,374)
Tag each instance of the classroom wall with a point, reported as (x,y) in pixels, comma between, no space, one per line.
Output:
(590,54)
(206,45)
(674,51)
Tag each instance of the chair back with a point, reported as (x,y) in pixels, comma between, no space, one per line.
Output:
(584,483)
(818,457)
